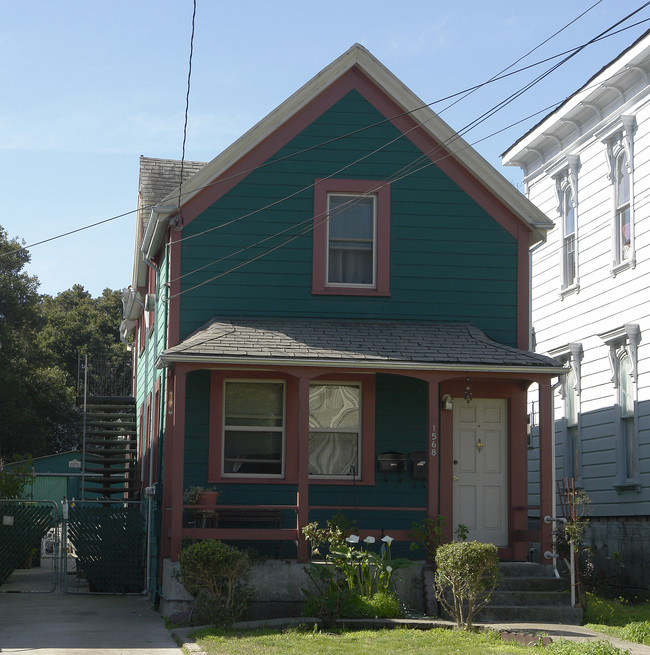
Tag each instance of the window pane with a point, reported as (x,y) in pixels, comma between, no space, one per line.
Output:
(571,399)
(628,430)
(351,235)
(252,452)
(334,406)
(574,451)
(622,182)
(334,453)
(626,387)
(254,404)
(569,213)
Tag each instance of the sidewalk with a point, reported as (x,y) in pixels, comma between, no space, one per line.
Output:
(77,624)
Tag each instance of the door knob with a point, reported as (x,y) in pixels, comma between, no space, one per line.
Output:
(455,478)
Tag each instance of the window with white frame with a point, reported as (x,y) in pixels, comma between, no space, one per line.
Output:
(623,348)
(351,229)
(566,188)
(253,430)
(571,355)
(335,430)
(622,223)
(619,142)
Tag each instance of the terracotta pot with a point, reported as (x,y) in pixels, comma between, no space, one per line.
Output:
(208,497)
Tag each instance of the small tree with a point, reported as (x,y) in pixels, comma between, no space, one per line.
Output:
(469,571)
(214,573)
(14,478)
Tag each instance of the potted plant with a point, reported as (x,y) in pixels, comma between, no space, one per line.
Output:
(200,496)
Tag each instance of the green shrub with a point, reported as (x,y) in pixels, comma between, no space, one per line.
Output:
(214,573)
(468,572)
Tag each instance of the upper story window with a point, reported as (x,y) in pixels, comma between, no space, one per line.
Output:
(351,237)
(253,428)
(622,222)
(566,187)
(351,240)
(623,357)
(619,141)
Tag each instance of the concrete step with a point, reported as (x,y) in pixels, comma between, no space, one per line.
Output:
(531,584)
(562,614)
(529,598)
(526,570)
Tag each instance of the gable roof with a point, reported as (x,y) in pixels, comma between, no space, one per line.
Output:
(360,59)
(353,344)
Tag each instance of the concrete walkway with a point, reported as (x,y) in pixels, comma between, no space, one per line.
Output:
(75,624)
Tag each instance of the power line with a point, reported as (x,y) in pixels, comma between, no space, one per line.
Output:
(451,96)
(405,171)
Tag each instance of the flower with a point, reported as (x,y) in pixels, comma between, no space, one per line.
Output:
(387,539)
(389,569)
(353,539)
(369,540)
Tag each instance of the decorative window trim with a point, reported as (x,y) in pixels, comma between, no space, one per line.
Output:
(624,342)
(381,191)
(618,138)
(627,336)
(571,354)
(566,178)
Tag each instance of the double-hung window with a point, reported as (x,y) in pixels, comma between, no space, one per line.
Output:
(619,142)
(254,428)
(622,222)
(623,357)
(335,435)
(351,237)
(566,188)
(571,354)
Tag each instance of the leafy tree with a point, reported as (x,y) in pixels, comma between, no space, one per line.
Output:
(41,339)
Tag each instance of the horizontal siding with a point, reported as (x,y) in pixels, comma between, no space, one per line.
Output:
(444,247)
(604,302)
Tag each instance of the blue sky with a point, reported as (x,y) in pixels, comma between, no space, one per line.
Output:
(88,87)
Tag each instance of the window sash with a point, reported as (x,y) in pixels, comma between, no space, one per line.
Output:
(253,428)
(351,240)
(335,430)
(623,216)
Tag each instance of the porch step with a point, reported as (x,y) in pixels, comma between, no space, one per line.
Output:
(530,593)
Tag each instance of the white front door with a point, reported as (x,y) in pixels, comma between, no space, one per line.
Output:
(480,476)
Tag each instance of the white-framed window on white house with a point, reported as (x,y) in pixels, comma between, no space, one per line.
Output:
(619,142)
(569,425)
(335,436)
(623,348)
(566,188)
(253,428)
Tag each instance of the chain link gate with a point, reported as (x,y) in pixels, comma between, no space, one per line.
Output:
(90,546)
(29,546)
(105,545)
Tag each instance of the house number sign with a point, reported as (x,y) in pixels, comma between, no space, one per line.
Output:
(434,442)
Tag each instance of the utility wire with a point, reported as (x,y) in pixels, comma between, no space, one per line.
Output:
(410,169)
(187,108)
(291,155)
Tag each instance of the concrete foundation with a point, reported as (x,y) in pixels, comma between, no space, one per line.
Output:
(277,590)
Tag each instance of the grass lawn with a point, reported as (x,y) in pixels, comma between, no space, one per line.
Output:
(619,618)
(437,641)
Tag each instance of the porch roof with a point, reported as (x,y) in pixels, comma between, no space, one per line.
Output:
(353,344)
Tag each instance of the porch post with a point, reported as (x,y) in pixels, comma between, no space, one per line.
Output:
(302,495)
(173,494)
(433,449)
(546,465)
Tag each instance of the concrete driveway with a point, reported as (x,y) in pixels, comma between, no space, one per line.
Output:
(68,624)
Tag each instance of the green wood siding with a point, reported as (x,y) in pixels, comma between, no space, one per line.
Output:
(450,261)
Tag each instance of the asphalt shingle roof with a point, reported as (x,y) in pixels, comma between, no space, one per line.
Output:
(367,342)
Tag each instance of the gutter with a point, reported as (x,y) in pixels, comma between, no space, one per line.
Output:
(164,361)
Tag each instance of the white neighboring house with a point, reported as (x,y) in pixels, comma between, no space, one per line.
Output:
(587,167)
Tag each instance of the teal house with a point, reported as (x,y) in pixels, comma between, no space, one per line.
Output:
(332,316)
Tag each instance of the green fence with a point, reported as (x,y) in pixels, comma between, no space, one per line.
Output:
(23,525)
(108,540)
